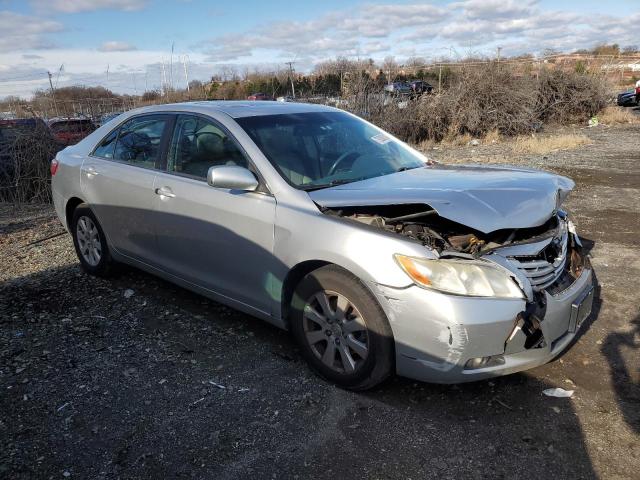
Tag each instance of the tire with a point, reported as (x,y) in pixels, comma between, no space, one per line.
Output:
(90,242)
(332,333)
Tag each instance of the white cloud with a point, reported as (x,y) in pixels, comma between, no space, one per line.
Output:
(418,29)
(116,46)
(21,32)
(340,32)
(75,6)
(495,9)
(425,29)
(129,71)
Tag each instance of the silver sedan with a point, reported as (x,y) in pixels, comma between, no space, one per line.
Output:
(377,260)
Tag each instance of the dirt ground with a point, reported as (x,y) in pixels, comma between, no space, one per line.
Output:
(136,378)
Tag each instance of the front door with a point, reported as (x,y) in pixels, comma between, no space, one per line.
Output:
(218,239)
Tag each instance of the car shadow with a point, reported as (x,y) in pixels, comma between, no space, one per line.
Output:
(622,349)
(124,388)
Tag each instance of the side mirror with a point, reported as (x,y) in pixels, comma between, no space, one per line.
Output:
(232,177)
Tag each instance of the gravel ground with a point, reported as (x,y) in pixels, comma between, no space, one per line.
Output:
(136,378)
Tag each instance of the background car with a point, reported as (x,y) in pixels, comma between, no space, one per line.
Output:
(398,88)
(420,86)
(68,131)
(627,99)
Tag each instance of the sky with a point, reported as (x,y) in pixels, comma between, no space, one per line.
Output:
(123,44)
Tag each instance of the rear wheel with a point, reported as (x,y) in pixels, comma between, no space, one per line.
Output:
(90,242)
(342,330)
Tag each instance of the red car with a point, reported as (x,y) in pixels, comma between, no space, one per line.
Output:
(259,96)
(68,131)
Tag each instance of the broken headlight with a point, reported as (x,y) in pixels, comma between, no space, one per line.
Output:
(460,277)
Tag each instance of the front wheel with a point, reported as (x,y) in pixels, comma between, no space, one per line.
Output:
(90,242)
(342,330)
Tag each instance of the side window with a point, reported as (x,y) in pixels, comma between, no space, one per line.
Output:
(139,140)
(199,144)
(105,149)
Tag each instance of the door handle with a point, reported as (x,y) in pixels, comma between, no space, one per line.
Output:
(165,192)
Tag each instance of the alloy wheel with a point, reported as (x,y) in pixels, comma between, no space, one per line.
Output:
(89,240)
(335,331)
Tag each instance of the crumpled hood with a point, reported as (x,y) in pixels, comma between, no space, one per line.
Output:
(485,198)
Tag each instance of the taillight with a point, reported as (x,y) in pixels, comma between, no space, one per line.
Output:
(54,166)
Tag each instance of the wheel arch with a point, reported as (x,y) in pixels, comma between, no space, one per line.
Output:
(299,271)
(291,281)
(69,208)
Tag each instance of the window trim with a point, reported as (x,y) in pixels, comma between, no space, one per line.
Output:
(160,162)
(93,152)
(251,166)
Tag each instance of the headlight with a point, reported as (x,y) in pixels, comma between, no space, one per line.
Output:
(460,277)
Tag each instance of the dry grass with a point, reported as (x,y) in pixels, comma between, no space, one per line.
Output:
(617,115)
(544,145)
(494,136)
(457,140)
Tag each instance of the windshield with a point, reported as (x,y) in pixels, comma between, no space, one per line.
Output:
(321,149)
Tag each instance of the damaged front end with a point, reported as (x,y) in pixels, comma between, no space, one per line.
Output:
(544,260)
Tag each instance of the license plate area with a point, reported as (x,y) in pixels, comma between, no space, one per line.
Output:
(580,309)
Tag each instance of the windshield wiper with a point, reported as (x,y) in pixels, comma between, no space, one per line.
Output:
(404,169)
(332,183)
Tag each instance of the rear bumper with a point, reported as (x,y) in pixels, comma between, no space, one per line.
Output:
(436,335)
(59,206)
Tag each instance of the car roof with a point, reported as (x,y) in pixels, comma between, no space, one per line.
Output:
(55,120)
(239,108)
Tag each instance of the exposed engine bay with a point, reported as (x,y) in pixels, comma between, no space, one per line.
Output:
(552,269)
(423,224)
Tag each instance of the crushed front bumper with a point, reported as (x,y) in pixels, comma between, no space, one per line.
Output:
(438,337)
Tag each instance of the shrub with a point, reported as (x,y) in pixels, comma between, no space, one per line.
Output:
(564,97)
(24,166)
(494,98)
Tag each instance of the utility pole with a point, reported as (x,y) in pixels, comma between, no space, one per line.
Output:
(53,94)
(135,87)
(185,61)
(171,67)
(164,80)
(499,51)
(293,89)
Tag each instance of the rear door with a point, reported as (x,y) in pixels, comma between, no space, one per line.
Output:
(219,239)
(118,183)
